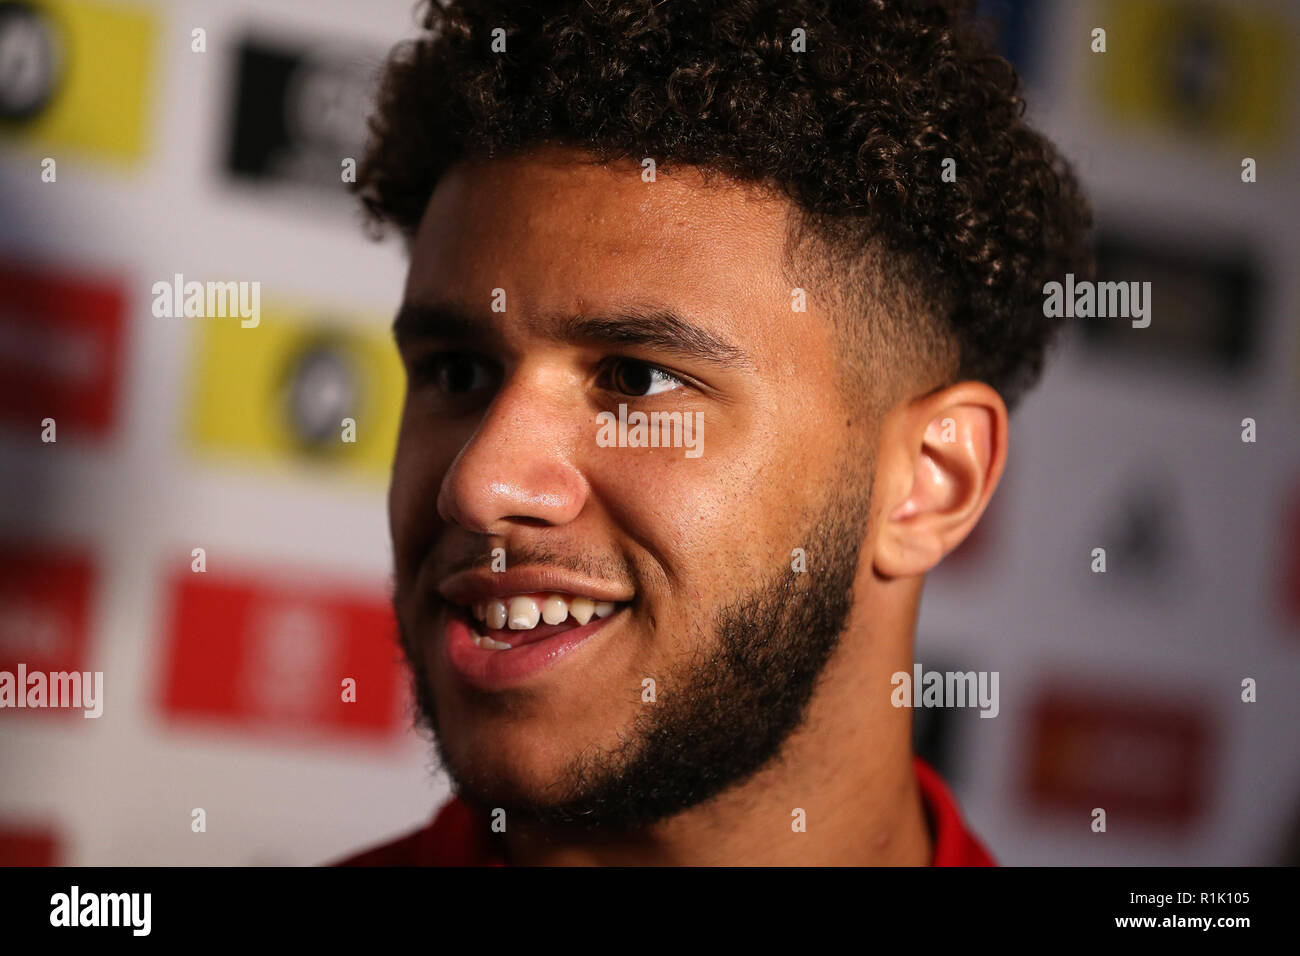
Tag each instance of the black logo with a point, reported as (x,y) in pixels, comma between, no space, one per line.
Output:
(31,60)
(298,115)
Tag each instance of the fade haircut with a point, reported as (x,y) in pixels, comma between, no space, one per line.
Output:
(932,281)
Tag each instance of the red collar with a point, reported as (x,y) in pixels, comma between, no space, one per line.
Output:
(458,836)
(954,845)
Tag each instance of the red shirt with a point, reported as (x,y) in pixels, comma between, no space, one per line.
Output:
(460,837)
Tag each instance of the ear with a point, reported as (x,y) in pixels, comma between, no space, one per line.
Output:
(939,461)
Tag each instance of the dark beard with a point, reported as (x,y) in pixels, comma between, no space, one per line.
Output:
(723,715)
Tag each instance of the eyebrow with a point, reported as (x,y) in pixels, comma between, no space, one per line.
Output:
(418,321)
(655,328)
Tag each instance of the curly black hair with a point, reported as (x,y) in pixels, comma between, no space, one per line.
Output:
(854,129)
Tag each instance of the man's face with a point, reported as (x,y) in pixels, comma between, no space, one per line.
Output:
(664,297)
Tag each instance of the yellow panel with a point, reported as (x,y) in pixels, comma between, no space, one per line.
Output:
(1212,71)
(243,405)
(106,70)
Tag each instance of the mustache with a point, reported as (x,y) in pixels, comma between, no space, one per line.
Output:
(614,568)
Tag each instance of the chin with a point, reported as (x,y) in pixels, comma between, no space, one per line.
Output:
(513,758)
(506,777)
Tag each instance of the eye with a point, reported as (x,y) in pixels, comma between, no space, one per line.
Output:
(453,373)
(639,379)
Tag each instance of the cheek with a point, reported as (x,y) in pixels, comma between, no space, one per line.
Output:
(413,495)
(709,523)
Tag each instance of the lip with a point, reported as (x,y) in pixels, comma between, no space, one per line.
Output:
(498,670)
(480,584)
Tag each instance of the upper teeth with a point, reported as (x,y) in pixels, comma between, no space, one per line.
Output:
(523,613)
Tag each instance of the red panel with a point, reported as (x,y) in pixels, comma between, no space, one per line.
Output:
(61,348)
(19,847)
(269,656)
(44,608)
(1135,758)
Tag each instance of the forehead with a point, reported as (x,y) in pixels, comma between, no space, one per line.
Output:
(564,233)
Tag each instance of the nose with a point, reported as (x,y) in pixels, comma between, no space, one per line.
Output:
(517,468)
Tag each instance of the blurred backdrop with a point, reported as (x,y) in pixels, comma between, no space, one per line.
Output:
(164,142)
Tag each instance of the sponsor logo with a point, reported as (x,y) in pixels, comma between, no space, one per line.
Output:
(1136,758)
(1208,71)
(61,61)
(1209,304)
(44,629)
(298,391)
(298,113)
(272,655)
(61,349)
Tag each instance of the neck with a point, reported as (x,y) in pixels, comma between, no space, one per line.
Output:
(848,768)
